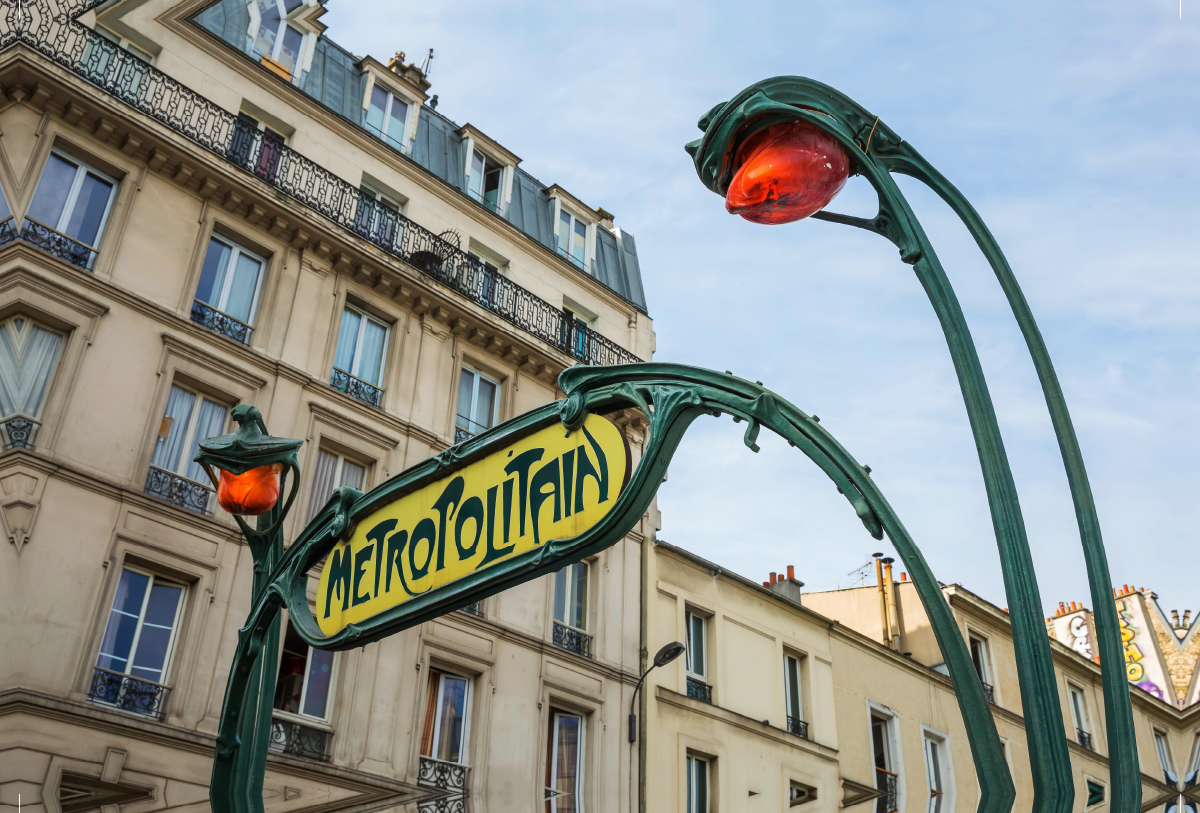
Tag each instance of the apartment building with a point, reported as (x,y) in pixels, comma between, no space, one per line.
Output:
(840,699)
(210,204)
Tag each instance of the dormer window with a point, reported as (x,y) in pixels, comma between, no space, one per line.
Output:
(485,181)
(275,36)
(572,238)
(386,117)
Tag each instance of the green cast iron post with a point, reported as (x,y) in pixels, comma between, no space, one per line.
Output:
(876,152)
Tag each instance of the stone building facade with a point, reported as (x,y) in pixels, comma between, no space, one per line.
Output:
(206,205)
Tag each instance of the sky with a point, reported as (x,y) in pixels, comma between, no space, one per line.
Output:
(1070,127)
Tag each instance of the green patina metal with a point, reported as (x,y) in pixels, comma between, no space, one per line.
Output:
(672,397)
(876,152)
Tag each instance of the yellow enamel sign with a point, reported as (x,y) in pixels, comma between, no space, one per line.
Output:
(551,485)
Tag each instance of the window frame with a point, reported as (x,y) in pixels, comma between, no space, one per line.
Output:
(569,596)
(338,468)
(392,100)
(575,219)
(126,43)
(1078,710)
(983,667)
(692,776)
(137,636)
(82,168)
(499,168)
(55,365)
(893,747)
(936,751)
(286,19)
(689,616)
(787,686)
(189,433)
(324,723)
(581,759)
(1165,759)
(236,249)
(365,316)
(435,741)
(475,398)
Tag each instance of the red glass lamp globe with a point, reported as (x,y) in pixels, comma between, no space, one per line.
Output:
(785,173)
(252,493)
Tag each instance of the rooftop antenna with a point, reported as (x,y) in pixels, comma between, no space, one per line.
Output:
(862,572)
(427,63)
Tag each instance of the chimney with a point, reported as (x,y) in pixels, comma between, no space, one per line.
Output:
(883,606)
(893,613)
(410,74)
(786,586)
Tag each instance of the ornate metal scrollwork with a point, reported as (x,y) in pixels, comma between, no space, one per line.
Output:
(58,244)
(218,322)
(699,690)
(572,640)
(290,737)
(797,726)
(450,777)
(178,490)
(127,693)
(19,432)
(356,388)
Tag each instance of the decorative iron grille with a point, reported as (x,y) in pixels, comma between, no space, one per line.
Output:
(55,242)
(988,691)
(886,782)
(461,434)
(797,726)
(356,388)
(450,777)
(20,431)
(8,230)
(1084,739)
(222,323)
(473,609)
(127,693)
(147,89)
(178,490)
(288,737)
(699,690)
(572,640)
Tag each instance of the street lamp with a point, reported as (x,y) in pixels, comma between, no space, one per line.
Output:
(665,655)
(759,150)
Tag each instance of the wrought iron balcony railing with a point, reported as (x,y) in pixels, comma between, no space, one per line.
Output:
(886,782)
(797,726)
(222,323)
(19,431)
(461,434)
(571,258)
(572,640)
(149,90)
(179,491)
(127,693)
(465,428)
(491,204)
(8,230)
(54,242)
(988,691)
(699,690)
(290,737)
(452,778)
(369,394)
(1084,739)
(473,609)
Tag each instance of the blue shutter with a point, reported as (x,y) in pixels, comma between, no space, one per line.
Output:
(633,272)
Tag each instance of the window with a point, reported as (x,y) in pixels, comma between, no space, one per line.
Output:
(188,419)
(274,37)
(378,219)
(73,200)
(792,696)
(1164,758)
(570,595)
(1079,716)
(697,784)
(936,773)
(885,767)
(800,793)
(305,678)
(1095,794)
(28,359)
(484,181)
(227,294)
(256,147)
(386,116)
(575,329)
(362,344)
(478,404)
(446,717)
(124,42)
(983,667)
(137,643)
(697,654)
(572,237)
(333,471)
(564,763)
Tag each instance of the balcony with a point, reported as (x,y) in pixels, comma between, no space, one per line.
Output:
(988,691)
(127,693)
(356,388)
(8,230)
(453,779)
(572,640)
(289,737)
(180,491)
(488,200)
(475,609)
(222,133)
(886,781)
(797,726)
(19,432)
(699,690)
(58,244)
(221,323)
(1084,739)
(465,428)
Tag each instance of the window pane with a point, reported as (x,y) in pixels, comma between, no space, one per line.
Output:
(793,684)
(289,54)
(375,112)
(451,719)
(580,240)
(395,129)
(168,451)
(564,230)
(560,596)
(578,594)
(87,216)
(322,482)
(210,424)
(212,275)
(320,673)
(292,5)
(163,604)
(485,409)
(122,621)
(244,286)
(25,374)
(370,360)
(466,386)
(352,475)
(567,748)
(52,191)
(475,183)
(268,30)
(151,653)
(289,685)
(343,358)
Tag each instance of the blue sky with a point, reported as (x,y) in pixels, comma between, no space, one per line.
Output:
(1071,128)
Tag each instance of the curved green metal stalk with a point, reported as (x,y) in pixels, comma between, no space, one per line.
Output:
(672,397)
(876,152)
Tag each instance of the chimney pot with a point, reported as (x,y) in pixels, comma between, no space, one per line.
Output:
(791,571)
(772,577)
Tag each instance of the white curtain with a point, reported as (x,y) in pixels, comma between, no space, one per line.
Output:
(352,475)
(210,424)
(179,410)
(343,359)
(370,362)
(245,285)
(322,482)
(28,356)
